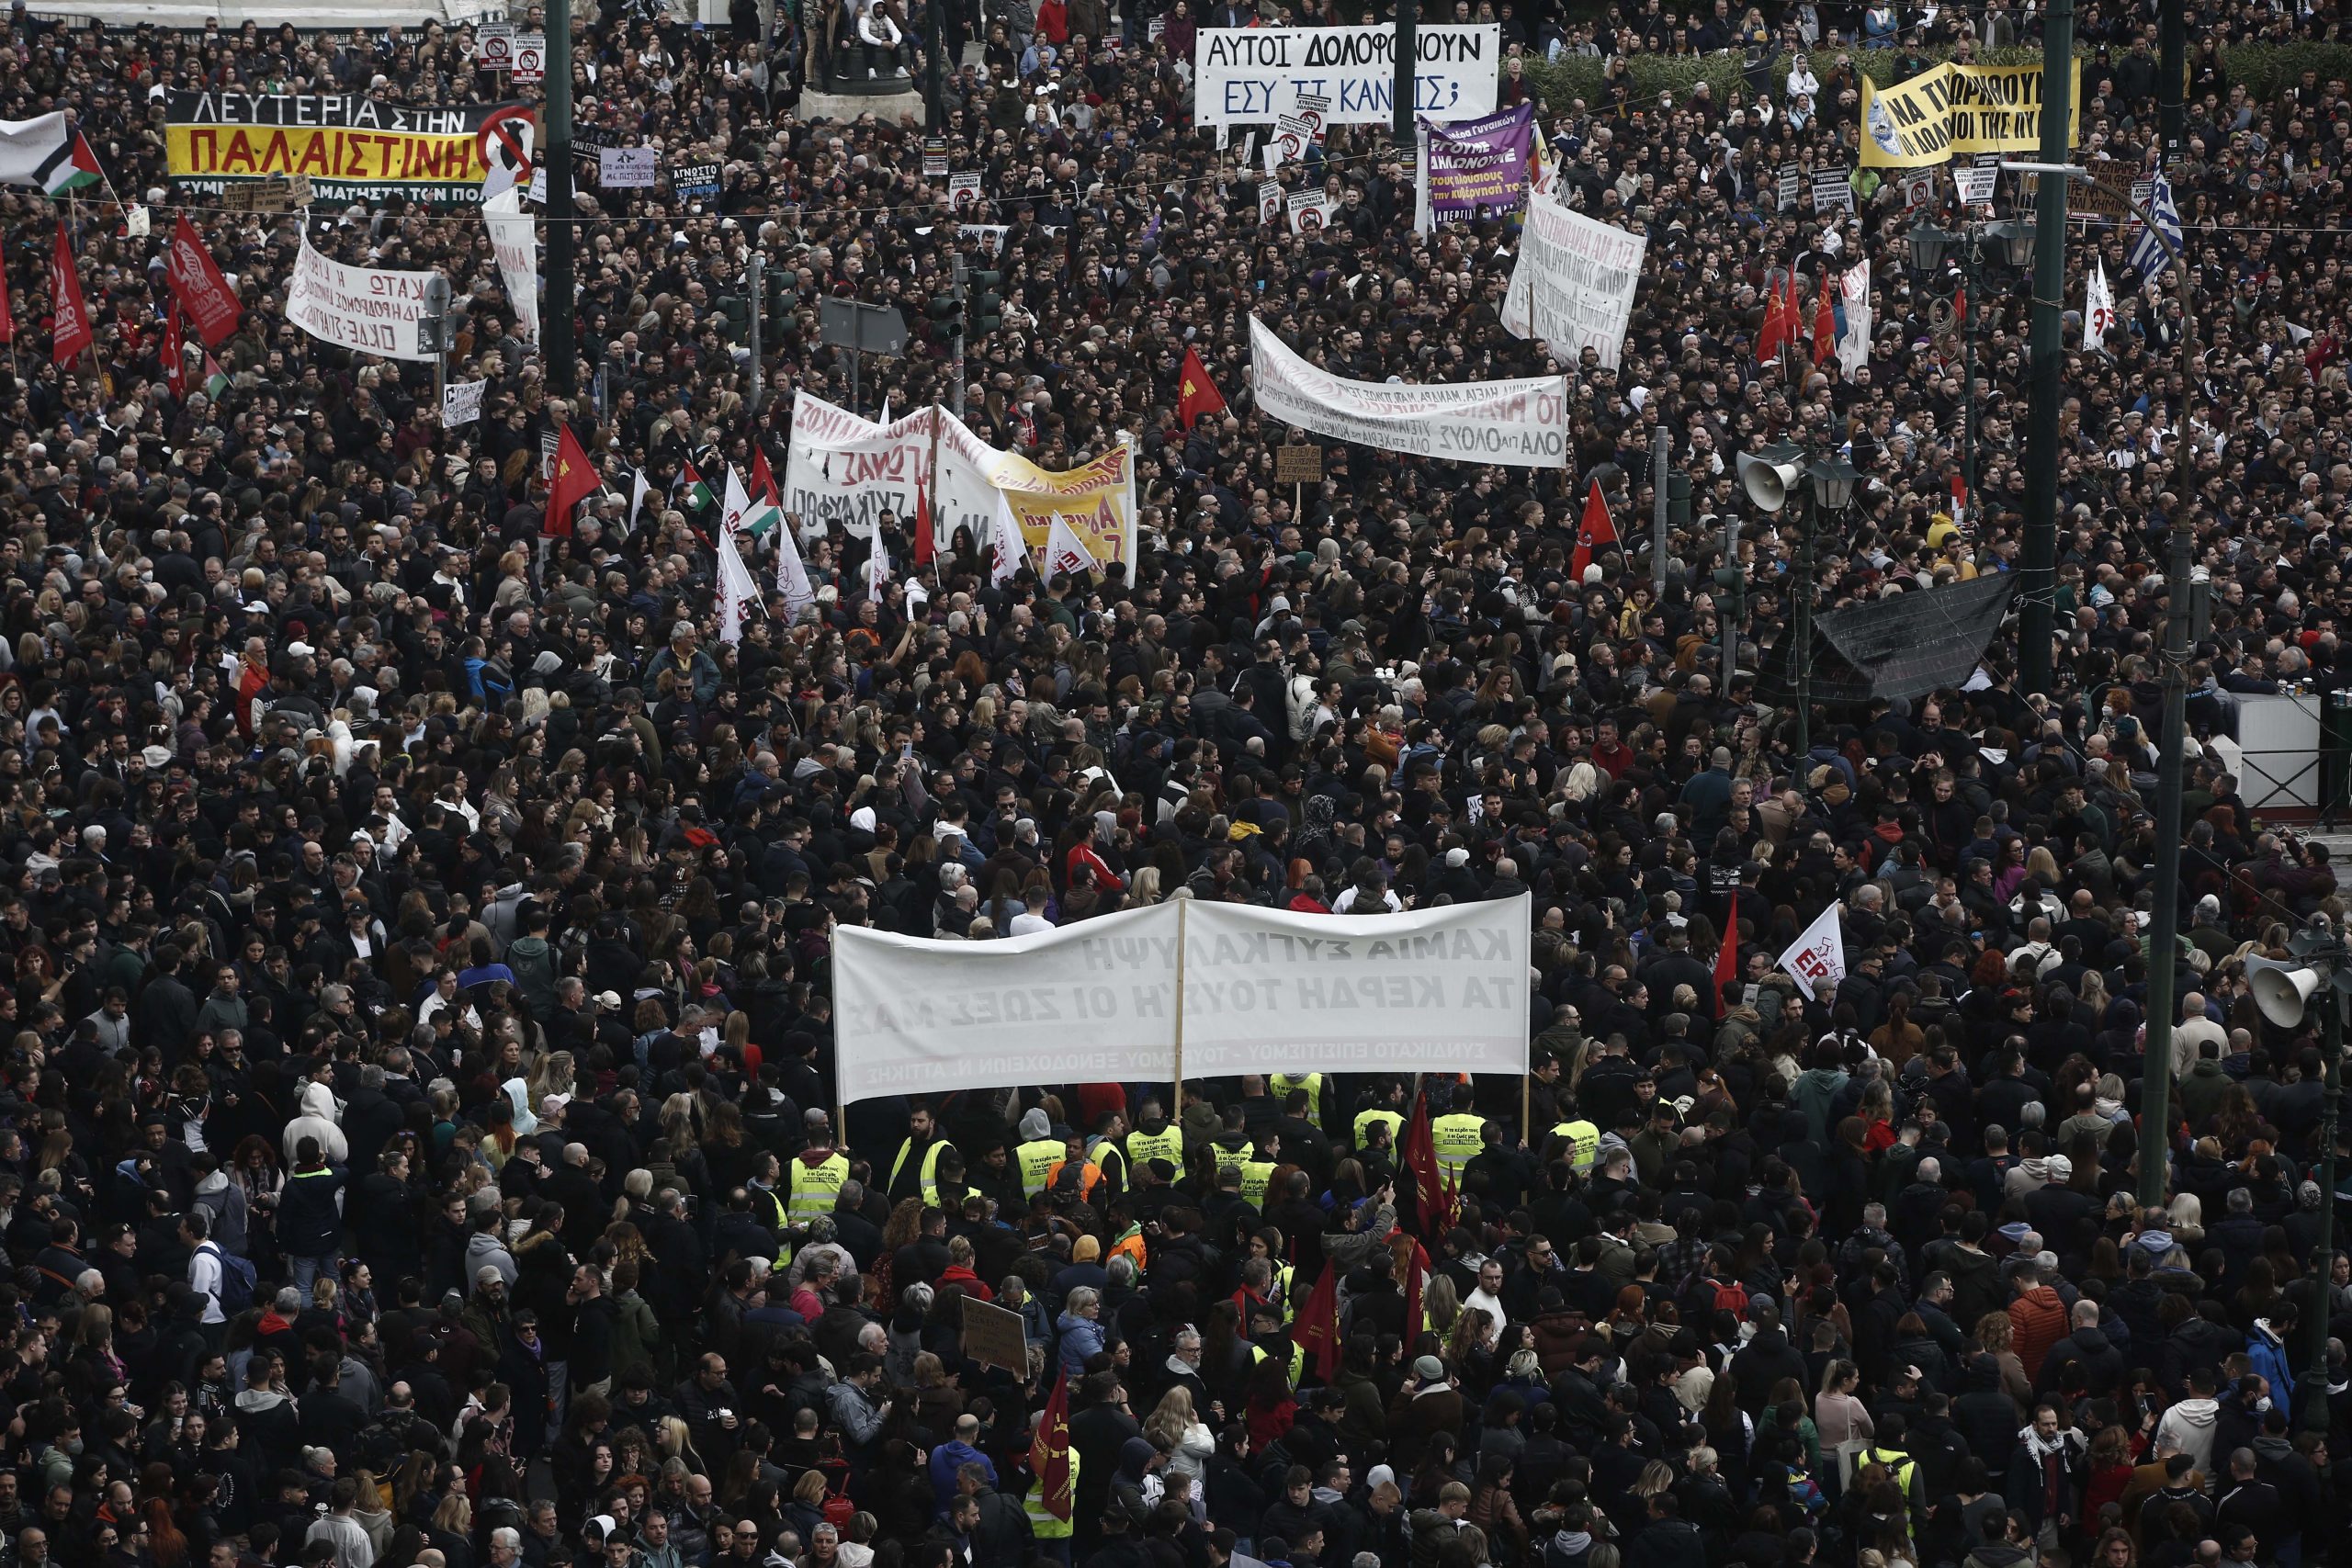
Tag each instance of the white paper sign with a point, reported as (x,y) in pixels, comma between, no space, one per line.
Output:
(1832,189)
(1247,76)
(1311,210)
(369,310)
(513,239)
(1293,134)
(530,57)
(1441,989)
(1269,201)
(1817,959)
(1520,424)
(1975,185)
(461,403)
(963,190)
(1573,284)
(628,168)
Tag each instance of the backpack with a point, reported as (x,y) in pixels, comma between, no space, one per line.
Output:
(1713,1295)
(839,1509)
(237,1280)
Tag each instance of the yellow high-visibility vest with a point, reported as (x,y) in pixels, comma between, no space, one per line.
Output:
(1283,1083)
(1255,1175)
(814,1188)
(1584,1142)
(1392,1120)
(1455,1138)
(1168,1144)
(1035,1158)
(929,1174)
(1042,1523)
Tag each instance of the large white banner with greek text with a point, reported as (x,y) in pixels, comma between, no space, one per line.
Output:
(1573,286)
(1521,424)
(1247,75)
(1091,1001)
(369,310)
(1435,990)
(1428,990)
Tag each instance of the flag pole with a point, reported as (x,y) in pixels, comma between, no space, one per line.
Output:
(932,521)
(1176,1103)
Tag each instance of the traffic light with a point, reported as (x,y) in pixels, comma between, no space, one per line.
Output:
(988,301)
(1678,499)
(735,311)
(1731,590)
(947,314)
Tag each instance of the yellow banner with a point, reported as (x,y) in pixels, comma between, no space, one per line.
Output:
(324,151)
(1956,109)
(1096,501)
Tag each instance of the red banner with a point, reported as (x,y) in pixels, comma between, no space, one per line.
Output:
(197,284)
(71,334)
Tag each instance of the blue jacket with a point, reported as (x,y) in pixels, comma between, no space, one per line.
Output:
(2268,1353)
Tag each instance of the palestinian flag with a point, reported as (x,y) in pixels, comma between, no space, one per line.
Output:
(46,153)
(767,503)
(698,491)
(216,380)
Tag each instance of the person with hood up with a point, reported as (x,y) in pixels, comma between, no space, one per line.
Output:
(1038,1151)
(1137,1489)
(2188,1426)
(1816,1089)
(2014,1547)
(310,1214)
(320,1119)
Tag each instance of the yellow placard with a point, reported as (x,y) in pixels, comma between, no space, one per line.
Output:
(1096,501)
(1959,110)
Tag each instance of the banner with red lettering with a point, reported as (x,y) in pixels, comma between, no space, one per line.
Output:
(369,310)
(199,287)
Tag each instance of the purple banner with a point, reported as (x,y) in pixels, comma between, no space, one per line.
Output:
(1477,164)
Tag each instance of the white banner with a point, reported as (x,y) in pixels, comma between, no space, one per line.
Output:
(365,309)
(1092,1001)
(1430,990)
(1248,75)
(462,403)
(1521,424)
(1573,284)
(1817,959)
(1433,991)
(515,239)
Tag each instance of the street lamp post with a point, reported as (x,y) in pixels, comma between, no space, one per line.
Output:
(1774,478)
(1932,247)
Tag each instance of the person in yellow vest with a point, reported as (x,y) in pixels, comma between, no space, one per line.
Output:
(1258,1170)
(1231,1150)
(1108,1150)
(814,1176)
(1281,1084)
(1038,1151)
(1053,1535)
(1457,1136)
(915,1173)
(1265,1281)
(1579,1140)
(1375,1116)
(1155,1137)
(1266,1340)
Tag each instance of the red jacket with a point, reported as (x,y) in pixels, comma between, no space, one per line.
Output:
(2038,1321)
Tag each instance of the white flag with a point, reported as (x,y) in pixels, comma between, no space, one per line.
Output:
(638,492)
(1065,551)
(884,418)
(1817,960)
(737,593)
(514,240)
(1005,533)
(2099,306)
(792,573)
(877,570)
(1854,347)
(737,505)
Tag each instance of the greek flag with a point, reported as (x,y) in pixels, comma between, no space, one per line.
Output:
(2150,248)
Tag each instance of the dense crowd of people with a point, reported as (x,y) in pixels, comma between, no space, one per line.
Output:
(417,1133)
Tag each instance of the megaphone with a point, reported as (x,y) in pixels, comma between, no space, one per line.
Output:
(1768,483)
(2282,991)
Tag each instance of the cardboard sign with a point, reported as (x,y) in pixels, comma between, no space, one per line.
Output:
(1833,190)
(628,168)
(494,46)
(995,1337)
(530,57)
(1297,464)
(461,403)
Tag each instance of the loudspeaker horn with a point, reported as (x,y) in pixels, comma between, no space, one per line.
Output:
(2282,991)
(1768,484)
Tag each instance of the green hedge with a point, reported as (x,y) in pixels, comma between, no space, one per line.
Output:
(2265,70)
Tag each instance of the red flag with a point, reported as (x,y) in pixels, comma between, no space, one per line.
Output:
(1196,394)
(1770,338)
(1049,1453)
(1728,956)
(1410,1264)
(253,679)
(1317,1328)
(199,285)
(175,355)
(70,333)
(575,481)
(926,545)
(1959,304)
(1824,323)
(1595,531)
(7,316)
(1420,1158)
